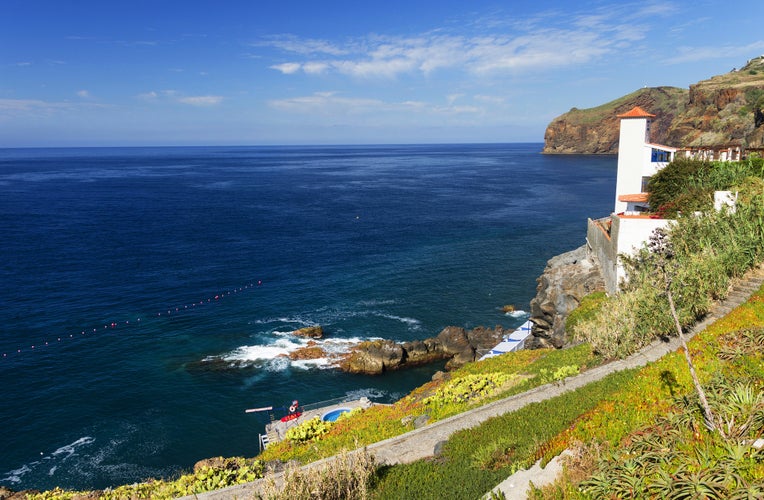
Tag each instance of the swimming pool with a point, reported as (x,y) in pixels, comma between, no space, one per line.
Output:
(331,416)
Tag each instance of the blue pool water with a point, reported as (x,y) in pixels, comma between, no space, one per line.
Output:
(333,415)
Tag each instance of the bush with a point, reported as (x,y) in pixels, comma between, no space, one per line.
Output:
(351,475)
(310,430)
(587,309)
(672,181)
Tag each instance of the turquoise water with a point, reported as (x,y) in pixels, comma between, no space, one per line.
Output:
(158,286)
(333,415)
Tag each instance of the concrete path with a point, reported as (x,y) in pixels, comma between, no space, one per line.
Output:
(421,443)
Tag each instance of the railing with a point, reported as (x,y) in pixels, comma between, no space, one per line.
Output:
(328,402)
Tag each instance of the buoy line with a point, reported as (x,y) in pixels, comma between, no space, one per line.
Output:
(114,324)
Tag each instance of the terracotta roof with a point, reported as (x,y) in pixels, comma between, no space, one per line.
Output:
(637,197)
(636,112)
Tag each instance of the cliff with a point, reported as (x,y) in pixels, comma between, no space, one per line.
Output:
(566,279)
(724,110)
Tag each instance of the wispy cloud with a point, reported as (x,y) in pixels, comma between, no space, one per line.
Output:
(694,54)
(201,100)
(334,104)
(178,97)
(549,42)
(31,105)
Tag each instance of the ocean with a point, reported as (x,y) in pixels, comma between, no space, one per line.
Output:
(149,293)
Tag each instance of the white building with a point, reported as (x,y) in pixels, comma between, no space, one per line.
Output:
(638,160)
(630,225)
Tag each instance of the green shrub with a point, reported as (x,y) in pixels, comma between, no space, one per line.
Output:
(468,388)
(310,430)
(587,309)
(672,181)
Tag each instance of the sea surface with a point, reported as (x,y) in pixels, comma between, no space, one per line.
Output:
(148,294)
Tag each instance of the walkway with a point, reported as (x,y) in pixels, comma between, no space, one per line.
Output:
(421,443)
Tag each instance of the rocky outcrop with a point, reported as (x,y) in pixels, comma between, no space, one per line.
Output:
(455,344)
(311,332)
(373,357)
(311,351)
(725,110)
(567,278)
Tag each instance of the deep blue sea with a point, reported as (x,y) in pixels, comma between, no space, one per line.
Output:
(148,293)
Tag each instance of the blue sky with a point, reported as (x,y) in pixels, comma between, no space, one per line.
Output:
(114,72)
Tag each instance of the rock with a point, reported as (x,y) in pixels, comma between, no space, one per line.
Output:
(421,421)
(453,343)
(308,352)
(454,339)
(456,342)
(438,448)
(373,357)
(419,352)
(508,309)
(567,278)
(312,332)
(485,338)
(211,463)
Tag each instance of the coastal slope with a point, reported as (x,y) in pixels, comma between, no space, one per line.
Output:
(724,110)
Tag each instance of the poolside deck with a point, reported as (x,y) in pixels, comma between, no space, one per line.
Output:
(276,429)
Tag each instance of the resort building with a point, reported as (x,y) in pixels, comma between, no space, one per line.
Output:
(630,225)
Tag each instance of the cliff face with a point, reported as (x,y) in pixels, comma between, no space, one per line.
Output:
(567,278)
(724,110)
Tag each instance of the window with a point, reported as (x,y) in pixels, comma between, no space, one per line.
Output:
(645,180)
(660,156)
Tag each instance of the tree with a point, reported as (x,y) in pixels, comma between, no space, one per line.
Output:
(660,247)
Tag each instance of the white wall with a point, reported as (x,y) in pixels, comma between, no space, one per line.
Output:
(632,156)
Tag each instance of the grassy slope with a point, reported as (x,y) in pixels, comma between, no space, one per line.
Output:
(610,410)
(475,460)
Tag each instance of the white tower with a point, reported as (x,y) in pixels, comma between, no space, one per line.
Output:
(633,155)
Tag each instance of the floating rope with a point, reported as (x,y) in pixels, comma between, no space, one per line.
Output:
(114,324)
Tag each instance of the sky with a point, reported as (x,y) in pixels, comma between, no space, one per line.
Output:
(261,72)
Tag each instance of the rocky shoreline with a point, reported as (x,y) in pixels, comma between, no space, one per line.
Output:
(566,279)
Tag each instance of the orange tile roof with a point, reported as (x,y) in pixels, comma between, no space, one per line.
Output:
(636,112)
(637,197)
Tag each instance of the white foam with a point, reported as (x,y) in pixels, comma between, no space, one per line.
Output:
(275,356)
(60,455)
(518,313)
(15,475)
(71,449)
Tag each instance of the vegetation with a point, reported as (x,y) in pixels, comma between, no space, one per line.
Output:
(351,475)
(709,251)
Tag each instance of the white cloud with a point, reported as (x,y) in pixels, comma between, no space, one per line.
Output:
(693,54)
(83,94)
(175,96)
(201,100)
(327,103)
(548,42)
(288,68)
(148,96)
(30,105)
(304,46)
